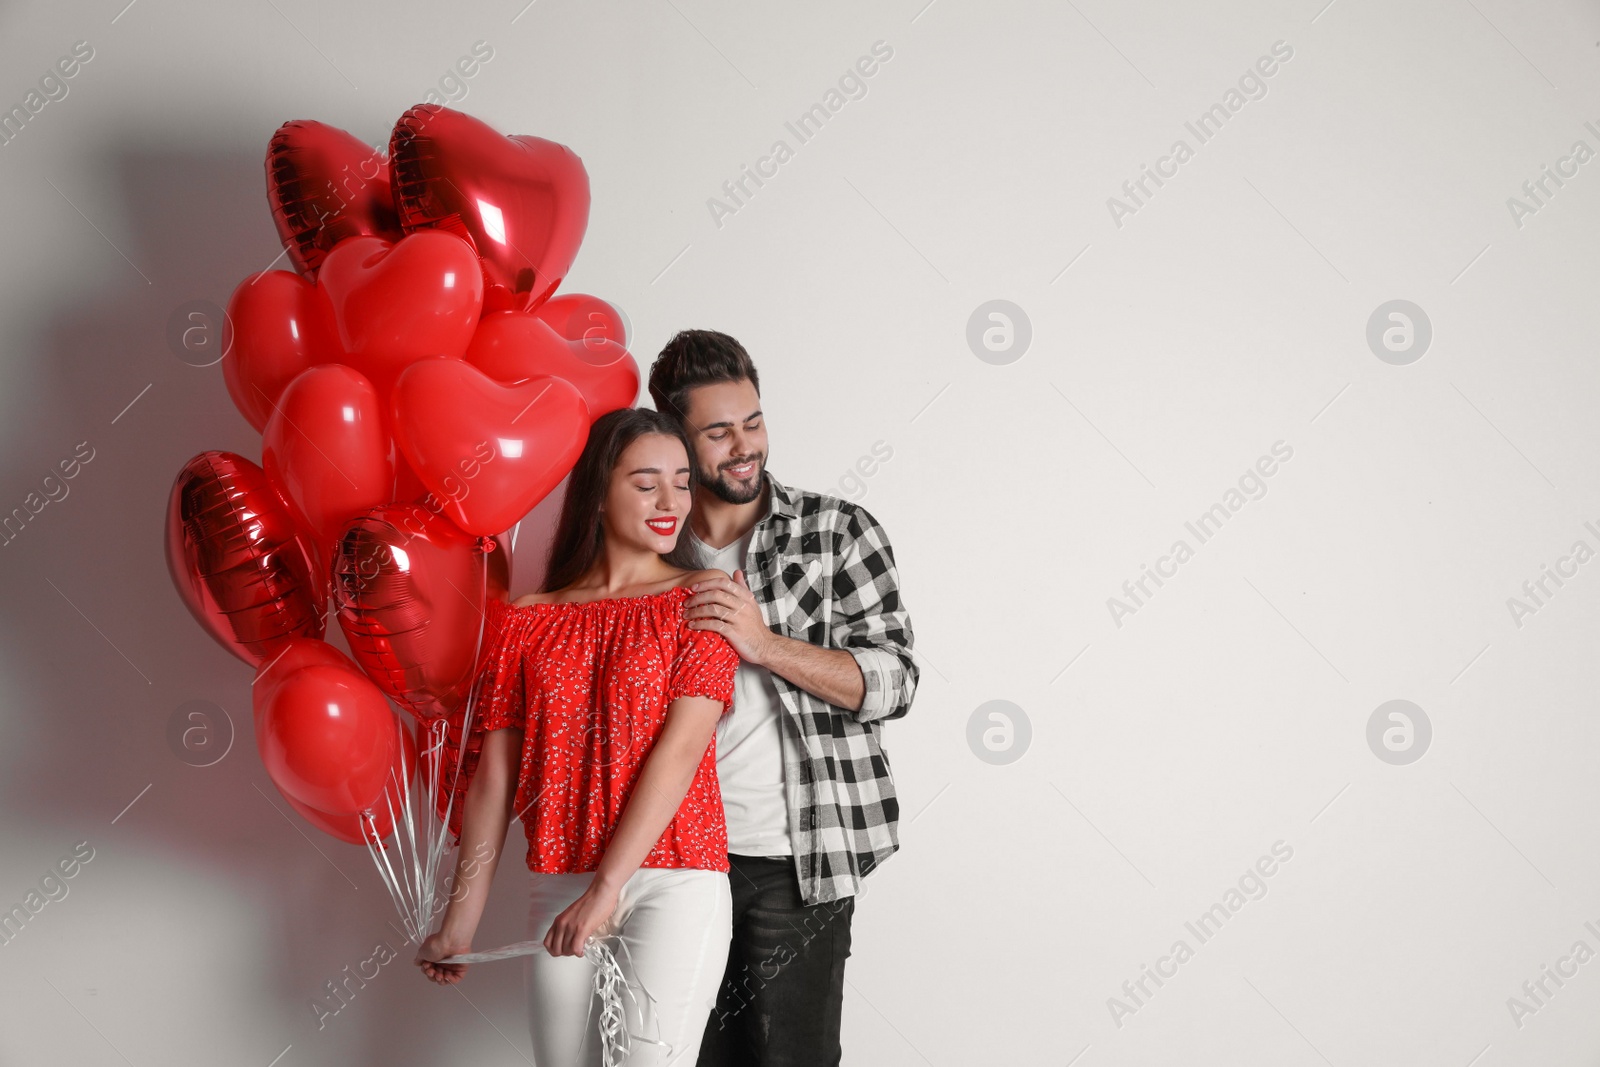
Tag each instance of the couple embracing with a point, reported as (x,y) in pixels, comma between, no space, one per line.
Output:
(688,720)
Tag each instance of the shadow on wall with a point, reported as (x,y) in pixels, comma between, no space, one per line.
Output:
(104,659)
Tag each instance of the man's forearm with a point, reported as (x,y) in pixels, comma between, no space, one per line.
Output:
(829,673)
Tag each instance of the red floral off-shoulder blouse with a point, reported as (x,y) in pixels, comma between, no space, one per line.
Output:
(589,684)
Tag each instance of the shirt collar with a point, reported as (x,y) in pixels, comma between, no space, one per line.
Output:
(780,499)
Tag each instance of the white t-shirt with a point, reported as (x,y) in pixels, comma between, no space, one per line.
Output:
(750,741)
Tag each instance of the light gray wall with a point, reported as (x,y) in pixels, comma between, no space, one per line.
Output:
(1168,748)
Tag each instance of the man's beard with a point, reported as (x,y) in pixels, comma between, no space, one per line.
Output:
(732,492)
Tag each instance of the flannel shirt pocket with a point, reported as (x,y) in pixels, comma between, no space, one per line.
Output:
(804,605)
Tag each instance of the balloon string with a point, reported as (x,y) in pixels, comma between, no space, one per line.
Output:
(422,895)
(379,852)
(408,892)
(472,698)
(608,987)
(428,778)
(369,834)
(438,730)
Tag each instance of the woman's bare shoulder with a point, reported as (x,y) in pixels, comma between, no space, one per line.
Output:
(531,598)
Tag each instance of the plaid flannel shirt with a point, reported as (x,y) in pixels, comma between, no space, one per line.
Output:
(823,572)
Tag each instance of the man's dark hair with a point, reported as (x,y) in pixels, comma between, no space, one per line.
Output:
(694,358)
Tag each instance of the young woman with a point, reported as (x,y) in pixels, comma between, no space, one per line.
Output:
(601,704)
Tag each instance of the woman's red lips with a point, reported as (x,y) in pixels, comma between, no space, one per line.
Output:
(662,526)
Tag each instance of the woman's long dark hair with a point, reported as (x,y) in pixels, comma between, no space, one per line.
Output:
(579,535)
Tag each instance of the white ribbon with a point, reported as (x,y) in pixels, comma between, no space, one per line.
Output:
(609,985)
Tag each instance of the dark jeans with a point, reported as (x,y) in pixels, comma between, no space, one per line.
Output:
(783,990)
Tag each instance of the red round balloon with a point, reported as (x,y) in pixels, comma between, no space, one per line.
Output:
(234,554)
(489,452)
(325,185)
(296,653)
(327,448)
(282,326)
(394,304)
(410,588)
(299,653)
(327,738)
(512,347)
(347,828)
(361,828)
(522,202)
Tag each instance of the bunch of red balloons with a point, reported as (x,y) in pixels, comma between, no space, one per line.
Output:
(419,387)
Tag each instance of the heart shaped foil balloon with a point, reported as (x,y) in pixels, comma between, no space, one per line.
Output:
(410,589)
(236,559)
(489,452)
(325,185)
(522,202)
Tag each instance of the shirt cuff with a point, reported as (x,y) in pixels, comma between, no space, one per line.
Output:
(877,668)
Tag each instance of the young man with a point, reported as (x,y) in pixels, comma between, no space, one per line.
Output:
(815,613)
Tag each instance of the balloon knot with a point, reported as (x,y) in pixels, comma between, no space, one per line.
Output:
(486,544)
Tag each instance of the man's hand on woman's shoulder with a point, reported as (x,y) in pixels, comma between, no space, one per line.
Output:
(723,602)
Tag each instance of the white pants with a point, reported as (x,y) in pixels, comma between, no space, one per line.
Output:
(676,924)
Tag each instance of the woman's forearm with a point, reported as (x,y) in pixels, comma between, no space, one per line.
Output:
(660,788)
(486,813)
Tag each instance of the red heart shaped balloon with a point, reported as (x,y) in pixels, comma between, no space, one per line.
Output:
(489,452)
(581,317)
(522,202)
(408,488)
(236,558)
(410,588)
(327,738)
(512,347)
(325,185)
(327,448)
(397,303)
(281,326)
